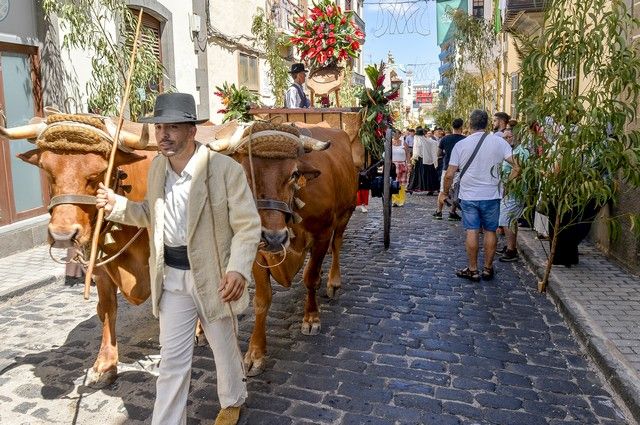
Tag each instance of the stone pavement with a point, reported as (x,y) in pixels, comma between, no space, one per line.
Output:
(406,342)
(601,302)
(29,270)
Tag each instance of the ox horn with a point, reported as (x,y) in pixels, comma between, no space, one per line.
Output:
(29,131)
(228,143)
(311,144)
(128,139)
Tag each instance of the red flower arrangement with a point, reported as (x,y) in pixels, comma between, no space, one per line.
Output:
(327,36)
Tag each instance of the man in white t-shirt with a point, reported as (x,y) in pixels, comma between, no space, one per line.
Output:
(480,191)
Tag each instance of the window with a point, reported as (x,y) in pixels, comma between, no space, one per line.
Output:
(478,9)
(566,79)
(248,72)
(151,35)
(23,187)
(515,85)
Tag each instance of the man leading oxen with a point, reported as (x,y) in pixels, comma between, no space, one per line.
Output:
(204,232)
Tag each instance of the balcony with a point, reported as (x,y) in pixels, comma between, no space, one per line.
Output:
(524,15)
(357,79)
(359,21)
(282,13)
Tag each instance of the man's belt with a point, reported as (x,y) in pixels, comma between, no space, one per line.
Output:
(176,257)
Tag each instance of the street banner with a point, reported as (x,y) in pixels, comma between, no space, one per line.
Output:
(445,26)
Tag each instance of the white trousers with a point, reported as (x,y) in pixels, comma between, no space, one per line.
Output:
(178,317)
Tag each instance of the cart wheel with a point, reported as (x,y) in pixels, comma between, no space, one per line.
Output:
(386,194)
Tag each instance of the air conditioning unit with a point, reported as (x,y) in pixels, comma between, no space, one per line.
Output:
(195,22)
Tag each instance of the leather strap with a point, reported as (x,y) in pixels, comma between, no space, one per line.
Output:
(473,155)
(71,199)
(270,204)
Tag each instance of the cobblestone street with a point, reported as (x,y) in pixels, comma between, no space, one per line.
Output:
(405,342)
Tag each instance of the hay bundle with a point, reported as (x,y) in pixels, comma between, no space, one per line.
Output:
(272,141)
(77,133)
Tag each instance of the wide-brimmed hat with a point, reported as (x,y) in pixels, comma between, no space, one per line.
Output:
(174,108)
(297,67)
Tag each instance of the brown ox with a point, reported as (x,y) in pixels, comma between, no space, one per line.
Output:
(74,166)
(327,182)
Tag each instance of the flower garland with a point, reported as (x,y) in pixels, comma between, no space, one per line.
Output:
(327,36)
(376,113)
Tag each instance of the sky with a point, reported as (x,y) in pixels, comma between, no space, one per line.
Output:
(412,41)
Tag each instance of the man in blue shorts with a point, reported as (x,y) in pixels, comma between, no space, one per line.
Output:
(480,191)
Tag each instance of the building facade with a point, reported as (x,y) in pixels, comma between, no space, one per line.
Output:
(200,43)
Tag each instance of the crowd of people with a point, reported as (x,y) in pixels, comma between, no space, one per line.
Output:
(429,161)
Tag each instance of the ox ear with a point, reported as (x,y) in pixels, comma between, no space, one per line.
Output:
(32,157)
(307,172)
(123,158)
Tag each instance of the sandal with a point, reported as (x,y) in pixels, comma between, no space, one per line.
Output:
(469,274)
(488,273)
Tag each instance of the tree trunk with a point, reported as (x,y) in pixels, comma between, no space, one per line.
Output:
(542,285)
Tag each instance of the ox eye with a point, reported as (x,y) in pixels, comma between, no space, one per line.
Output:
(295,175)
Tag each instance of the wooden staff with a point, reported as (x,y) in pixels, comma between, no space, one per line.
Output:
(112,157)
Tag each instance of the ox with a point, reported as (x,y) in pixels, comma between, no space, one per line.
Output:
(72,150)
(325,183)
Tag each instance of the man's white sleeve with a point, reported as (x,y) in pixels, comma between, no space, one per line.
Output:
(455,156)
(292,99)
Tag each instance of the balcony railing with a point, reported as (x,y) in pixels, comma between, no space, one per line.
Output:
(357,79)
(525,14)
(282,13)
(515,6)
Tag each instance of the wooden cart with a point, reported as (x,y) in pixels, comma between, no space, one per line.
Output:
(349,120)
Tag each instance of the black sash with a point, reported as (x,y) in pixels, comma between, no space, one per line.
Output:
(176,257)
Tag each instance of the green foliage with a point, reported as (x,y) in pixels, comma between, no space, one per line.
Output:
(443,118)
(237,102)
(583,142)
(85,23)
(376,113)
(271,41)
(475,42)
(350,93)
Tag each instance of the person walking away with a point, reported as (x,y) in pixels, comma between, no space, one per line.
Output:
(364,186)
(188,282)
(417,180)
(511,208)
(478,156)
(500,121)
(295,96)
(446,147)
(400,158)
(430,162)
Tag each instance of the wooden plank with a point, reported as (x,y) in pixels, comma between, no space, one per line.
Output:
(313,118)
(257,111)
(295,117)
(333,119)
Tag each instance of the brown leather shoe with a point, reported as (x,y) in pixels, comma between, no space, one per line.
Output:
(228,416)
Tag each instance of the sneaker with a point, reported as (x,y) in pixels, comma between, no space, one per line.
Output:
(502,250)
(509,256)
(454,217)
(437,215)
(363,209)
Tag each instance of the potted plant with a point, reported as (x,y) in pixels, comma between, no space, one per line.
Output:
(237,102)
